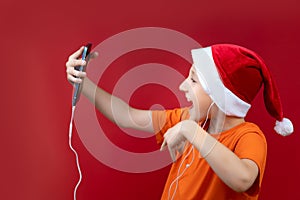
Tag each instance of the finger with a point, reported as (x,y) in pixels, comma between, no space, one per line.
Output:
(76,73)
(93,55)
(170,137)
(172,153)
(73,79)
(181,147)
(79,74)
(164,144)
(75,62)
(76,54)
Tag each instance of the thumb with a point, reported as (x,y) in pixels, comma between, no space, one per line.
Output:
(93,55)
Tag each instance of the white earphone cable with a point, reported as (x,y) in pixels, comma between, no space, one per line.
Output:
(76,155)
(188,165)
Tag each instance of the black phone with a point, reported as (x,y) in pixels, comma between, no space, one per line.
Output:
(84,56)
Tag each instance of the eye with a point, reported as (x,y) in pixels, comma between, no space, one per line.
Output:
(193,80)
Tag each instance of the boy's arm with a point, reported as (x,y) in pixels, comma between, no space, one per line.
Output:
(239,174)
(116,109)
(112,107)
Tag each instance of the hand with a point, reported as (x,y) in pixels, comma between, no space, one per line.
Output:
(73,75)
(176,137)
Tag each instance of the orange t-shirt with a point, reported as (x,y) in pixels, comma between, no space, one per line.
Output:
(199,181)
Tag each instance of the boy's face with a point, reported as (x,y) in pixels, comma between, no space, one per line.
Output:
(195,94)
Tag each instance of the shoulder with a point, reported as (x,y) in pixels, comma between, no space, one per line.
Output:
(243,135)
(171,116)
(244,128)
(162,120)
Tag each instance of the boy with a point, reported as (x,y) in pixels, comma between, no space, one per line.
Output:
(222,156)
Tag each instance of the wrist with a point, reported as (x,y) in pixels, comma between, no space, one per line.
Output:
(196,135)
(190,130)
(208,145)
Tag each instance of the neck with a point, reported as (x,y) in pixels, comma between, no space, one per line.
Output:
(220,123)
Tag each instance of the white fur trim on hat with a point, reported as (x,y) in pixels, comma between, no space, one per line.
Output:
(284,127)
(209,77)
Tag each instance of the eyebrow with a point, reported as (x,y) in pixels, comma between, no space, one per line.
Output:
(192,72)
(194,75)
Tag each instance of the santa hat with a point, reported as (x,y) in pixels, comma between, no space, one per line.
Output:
(232,76)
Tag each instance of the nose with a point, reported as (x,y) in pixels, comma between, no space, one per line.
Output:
(183,86)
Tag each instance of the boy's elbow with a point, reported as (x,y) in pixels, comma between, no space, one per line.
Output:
(241,188)
(247,177)
(244,183)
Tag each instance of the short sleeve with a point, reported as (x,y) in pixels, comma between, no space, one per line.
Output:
(163,120)
(253,146)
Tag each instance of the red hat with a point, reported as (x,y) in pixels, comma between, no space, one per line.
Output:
(232,76)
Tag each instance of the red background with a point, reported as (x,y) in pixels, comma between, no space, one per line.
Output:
(36,40)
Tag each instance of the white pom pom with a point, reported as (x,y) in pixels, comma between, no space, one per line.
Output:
(284,128)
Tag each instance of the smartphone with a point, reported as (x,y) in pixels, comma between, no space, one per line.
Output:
(84,56)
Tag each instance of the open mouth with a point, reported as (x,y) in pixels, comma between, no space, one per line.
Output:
(189,101)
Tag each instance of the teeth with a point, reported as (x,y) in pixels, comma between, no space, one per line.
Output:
(188,98)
